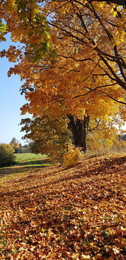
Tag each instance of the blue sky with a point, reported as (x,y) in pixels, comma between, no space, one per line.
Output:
(10,101)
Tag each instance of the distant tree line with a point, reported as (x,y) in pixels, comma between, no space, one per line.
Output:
(19,148)
(8,151)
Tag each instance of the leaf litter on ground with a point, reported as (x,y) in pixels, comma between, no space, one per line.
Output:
(65,213)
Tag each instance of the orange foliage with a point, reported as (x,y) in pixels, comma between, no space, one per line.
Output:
(84,73)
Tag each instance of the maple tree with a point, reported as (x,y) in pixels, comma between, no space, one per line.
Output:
(69,67)
(81,78)
(75,213)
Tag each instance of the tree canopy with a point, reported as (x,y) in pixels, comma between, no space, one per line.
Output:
(73,58)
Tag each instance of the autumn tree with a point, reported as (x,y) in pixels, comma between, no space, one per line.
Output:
(79,89)
(50,136)
(84,75)
(98,27)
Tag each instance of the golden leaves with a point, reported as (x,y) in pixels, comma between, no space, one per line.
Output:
(73,213)
(81,75)
(72,157)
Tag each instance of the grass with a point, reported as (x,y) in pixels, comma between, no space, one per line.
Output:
(25,162)
(32,159)
(21,157)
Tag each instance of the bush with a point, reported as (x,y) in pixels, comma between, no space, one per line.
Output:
(6,155)
(73,156)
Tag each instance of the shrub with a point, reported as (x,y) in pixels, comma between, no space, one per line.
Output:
(6,155)
(73,156)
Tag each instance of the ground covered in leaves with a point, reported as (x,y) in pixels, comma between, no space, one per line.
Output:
(57,213)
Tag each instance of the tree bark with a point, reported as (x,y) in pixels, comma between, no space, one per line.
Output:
(79,131)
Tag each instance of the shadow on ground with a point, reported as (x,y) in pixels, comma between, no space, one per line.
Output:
(25,166)
(33,162)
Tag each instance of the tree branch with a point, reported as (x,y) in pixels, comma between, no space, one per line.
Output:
(103,92)
(110,37)
(119,59)
(118,101)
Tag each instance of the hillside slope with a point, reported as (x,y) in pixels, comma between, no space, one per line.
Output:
(58,213)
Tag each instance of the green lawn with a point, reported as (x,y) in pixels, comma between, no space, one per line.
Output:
(24,162)
(23,157)
(31,159)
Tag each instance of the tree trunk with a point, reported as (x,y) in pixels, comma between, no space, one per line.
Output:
(79,131)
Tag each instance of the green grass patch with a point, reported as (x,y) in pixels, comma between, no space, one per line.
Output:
(25,162)
(32,159)
(25,157)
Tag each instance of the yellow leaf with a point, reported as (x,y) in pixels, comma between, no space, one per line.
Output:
(31,209)
(86,257)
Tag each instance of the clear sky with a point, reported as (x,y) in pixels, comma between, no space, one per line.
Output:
(10,101)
